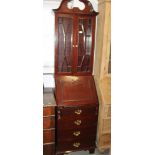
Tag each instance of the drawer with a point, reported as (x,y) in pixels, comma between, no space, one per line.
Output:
(77,111)
(48,136)
(47,111)
(49,149)
(74,123)
(48,122)
(76,134)
(81,144)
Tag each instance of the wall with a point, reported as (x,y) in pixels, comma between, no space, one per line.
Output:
(48,35)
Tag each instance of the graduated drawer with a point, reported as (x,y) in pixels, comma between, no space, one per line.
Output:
(75,145)
(77,111)
(76,134)
(49,136)
(49,110)
(74,123)
(49,149)
(48,122)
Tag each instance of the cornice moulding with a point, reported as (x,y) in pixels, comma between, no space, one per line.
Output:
(54,4)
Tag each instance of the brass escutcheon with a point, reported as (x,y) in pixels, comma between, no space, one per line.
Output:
(76,133)
(76,144)
(78,112)
(78,122)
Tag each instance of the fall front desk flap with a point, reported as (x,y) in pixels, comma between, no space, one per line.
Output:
(75,90)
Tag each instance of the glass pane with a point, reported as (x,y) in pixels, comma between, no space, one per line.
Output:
(84,45)
(64,44)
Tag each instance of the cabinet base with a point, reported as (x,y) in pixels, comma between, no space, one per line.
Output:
(91,151)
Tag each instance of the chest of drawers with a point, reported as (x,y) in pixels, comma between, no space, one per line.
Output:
(48,122)
(77,114)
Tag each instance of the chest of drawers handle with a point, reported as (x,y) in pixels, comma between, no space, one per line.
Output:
(78,122)
(78,112)
(76,144)
(76,133)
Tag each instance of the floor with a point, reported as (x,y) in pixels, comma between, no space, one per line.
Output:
(106,152)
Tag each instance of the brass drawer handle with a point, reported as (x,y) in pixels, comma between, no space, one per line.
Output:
(78,112)
(76,133)
(76,144)
(78,122)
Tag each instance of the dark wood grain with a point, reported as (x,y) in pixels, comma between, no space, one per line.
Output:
(70,123)
(77,111)
(69,145)
(49,106)
(48,122)
(85,133)
(48,136)
(49,149)
(75,90)
(47,111)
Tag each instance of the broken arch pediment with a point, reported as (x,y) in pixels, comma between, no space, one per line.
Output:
(76,3)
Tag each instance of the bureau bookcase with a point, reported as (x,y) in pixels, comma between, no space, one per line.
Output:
(75,91)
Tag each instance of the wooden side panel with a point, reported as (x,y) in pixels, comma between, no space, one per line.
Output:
(49,149)
(49,106)
(101,76)
(104,119)
(48,122)
(47,111)
(106,139)
(48,136)
(103,39)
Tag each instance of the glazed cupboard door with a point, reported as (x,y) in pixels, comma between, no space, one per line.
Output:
(74,37)
(86,26)
(74,44)
(64,40)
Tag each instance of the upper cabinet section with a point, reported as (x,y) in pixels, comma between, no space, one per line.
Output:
(74,38)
